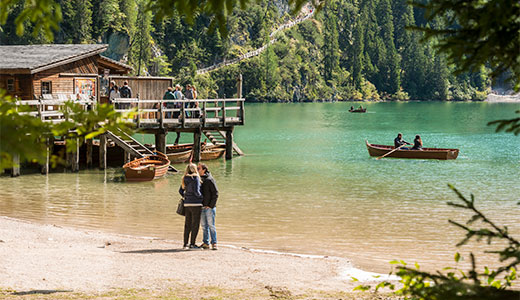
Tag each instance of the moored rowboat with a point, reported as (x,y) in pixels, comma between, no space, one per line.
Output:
(425,153)
(212,153)
(147,168)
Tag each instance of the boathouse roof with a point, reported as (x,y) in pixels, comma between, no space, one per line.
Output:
(30,59)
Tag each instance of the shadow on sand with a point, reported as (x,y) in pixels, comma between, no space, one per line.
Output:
(42,292)
(151,251)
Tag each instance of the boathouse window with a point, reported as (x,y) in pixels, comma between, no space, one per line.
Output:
(10,84)
(46,87)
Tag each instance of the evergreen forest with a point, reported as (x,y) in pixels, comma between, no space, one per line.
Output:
(349,50)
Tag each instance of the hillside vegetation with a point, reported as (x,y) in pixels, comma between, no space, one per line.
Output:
(350,50)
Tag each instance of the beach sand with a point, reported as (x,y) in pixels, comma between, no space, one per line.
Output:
(43,259)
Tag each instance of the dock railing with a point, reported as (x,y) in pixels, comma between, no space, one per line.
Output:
(183,113)
(48,110)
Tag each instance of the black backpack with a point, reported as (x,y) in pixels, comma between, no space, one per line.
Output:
(124,91)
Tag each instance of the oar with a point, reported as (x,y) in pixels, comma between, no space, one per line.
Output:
(172,169)
(390,152)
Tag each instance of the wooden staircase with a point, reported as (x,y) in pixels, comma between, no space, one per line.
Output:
(218,138)
(129,144)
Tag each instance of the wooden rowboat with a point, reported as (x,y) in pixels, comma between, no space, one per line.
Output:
(212,153)
(425,153)
(147,168)
(179,153)
(182,153)
(358,110)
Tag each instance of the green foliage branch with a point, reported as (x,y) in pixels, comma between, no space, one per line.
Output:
(453,283)
(44,14)
(507,125)
(476,33)
(27,136)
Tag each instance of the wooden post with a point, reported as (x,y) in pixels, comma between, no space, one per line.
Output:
(240,112)
(204,114)
(160,141)
(73,158)
(239,86)
(16,165)
(223,108)
(196,145)
(89,153)
(128,157)
(229,143)
(45,166)
(103,152)
(183,116)
(138,118)
(161,115)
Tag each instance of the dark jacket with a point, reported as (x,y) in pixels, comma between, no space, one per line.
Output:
(209,190)
(399,142)
(125,91)
(192,195)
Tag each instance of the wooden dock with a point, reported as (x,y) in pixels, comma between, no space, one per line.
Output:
(213,118)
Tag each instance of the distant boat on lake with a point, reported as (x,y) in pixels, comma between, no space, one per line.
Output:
(147,168)
(425,153)
(358,110)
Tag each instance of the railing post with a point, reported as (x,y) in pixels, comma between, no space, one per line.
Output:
(138,121)
(223,107)
(183,115)
(40,108)
(161,118)
(241,111)
(204,114)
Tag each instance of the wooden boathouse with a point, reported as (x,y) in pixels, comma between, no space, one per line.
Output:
(46,76)
(55,71)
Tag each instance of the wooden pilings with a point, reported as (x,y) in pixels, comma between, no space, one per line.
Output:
(196,145)
(45,167)
(102,151)
(15,172)
(229,143)
(73,158)
(160,141)
(89,146)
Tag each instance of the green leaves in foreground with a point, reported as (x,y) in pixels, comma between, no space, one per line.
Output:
(454,283)
(28,135)
(44,14)
(476,33)
(507,125)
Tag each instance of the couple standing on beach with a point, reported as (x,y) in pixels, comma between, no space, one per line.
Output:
(200,200)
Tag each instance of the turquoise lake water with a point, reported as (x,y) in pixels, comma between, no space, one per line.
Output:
(308,185)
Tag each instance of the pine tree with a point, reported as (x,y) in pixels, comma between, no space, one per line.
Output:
(141,43)
(82,21)
(331,52)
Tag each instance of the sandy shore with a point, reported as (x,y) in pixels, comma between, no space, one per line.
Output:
(52,258)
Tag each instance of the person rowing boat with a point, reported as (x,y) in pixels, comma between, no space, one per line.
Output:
(398,141)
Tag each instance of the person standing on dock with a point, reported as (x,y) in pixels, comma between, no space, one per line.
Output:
(126,92)
(177,96)
(190,190)
(114,93)
(196,114)
(398,141)
(169,104)
(189,96)
(209,207)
